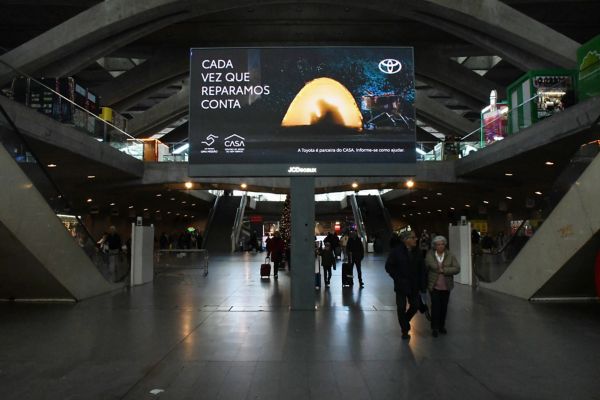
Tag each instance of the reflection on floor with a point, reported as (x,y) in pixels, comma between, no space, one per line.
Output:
(231,336)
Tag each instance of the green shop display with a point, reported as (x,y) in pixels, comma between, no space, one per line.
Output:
(588,60)
(539,94)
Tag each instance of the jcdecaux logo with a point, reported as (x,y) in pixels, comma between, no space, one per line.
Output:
(301,170)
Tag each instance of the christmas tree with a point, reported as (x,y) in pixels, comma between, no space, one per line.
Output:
(285,224)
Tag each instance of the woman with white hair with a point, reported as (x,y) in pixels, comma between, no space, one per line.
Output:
(442,265)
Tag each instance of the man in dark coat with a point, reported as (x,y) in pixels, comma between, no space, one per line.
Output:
(406,267)
(356,252)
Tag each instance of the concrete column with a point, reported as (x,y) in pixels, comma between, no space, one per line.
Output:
(302,190)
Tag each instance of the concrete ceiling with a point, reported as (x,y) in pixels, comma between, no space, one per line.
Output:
(116,58)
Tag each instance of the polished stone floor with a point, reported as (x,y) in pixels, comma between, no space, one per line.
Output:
(231,336)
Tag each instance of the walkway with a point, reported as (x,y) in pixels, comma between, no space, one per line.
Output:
(231,336)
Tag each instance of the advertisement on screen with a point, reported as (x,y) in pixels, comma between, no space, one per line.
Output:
(335,111)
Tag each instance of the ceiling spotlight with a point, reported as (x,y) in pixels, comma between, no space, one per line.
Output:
(243,186)
(452,208)
(168,212)
(193,204)
(172,198)
(439,210)
(486,202)
(89,200)
(130,207)
(425,198)
(467,205)
(51,165)
(413,201)
(403,204)
(428,212)
(538,193)
(547,163)
(508,174)
(112,204)
(439,193)
(157,210)
(354,185)
(145,209)
(189,185)
(509,198)
(410,183)
(91,176)
(159,195)
(183,202)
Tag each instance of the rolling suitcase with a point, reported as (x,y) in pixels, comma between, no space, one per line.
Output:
(318,274)
(347,278)
(265,269)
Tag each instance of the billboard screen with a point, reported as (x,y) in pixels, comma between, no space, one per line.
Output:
(321,111)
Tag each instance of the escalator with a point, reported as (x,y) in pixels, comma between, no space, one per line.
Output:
(377,221)
(221,222)
(40,259)
(558,260)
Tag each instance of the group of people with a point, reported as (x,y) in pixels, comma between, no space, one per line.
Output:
(415,275)
(349,249)
(180,240)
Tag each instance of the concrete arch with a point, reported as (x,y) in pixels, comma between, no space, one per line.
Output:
(484,19)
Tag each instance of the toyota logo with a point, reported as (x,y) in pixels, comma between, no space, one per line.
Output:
(390,66)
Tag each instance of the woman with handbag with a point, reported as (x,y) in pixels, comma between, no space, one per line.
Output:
(442,265)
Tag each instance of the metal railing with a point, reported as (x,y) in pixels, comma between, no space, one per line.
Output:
(167,259)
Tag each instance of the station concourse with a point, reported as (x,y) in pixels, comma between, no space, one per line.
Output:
(129,264)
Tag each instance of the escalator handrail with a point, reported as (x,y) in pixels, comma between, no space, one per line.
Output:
(209,222)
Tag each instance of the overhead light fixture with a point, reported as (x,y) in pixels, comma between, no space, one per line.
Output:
(145,209)
(452,208)
(243,186)
(509,198)
(425,198)
(410,183)
(51,165)
(193,204)
(168,212)
(508,174)
(159,195)
(172,198)
(89,200)
(439,193)
(428,212)
(403,204)
(467,205)
(486,202)
(157,210)
(112,204)
(91,176)
(183,202)
(130,207)
(439,210)
(189,185)
(413,201)
(549,163)
(538,193)
(354,185)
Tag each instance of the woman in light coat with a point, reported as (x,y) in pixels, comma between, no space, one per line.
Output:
(442,265)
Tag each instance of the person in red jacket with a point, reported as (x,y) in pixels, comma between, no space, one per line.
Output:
(277,251)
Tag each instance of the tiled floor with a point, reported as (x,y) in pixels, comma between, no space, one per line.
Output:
(231,336)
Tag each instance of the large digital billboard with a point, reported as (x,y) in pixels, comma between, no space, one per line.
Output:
(321,111)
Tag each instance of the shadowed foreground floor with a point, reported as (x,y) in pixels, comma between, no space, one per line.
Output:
(231,336)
